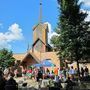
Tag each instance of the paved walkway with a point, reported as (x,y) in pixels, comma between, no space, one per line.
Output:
(30,82)
(33,83)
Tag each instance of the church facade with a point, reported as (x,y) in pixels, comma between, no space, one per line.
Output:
(40,50)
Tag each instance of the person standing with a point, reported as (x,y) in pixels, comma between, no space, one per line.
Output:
(39,75)
(70,84)
(11,84)
(2,81)
(82,72)
(86,71)
(72,71)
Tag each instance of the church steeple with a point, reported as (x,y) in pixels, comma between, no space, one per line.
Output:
(40,34)
(40,12)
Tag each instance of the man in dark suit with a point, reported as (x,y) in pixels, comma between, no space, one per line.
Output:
(11,84)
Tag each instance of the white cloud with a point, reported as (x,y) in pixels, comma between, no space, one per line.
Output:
(88,17)
(4,44)
(86,2)
(51,32)
(88,12)
(14,33)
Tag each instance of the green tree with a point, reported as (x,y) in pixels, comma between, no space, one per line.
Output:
(6,58)
(54,41)
(72,30)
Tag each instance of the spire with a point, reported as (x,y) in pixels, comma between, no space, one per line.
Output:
(28,48)
(40,13)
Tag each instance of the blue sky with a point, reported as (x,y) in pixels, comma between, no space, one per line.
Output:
(17,18)
(24,14)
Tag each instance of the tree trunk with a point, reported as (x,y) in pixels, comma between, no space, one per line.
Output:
(78,69)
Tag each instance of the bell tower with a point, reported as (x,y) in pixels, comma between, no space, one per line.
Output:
(40,34)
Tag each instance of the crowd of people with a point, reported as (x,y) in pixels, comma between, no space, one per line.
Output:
(56,74)
(7,82)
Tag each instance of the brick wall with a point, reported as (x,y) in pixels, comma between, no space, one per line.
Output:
(48,55)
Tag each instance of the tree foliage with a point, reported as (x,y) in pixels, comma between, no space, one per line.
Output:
(6,58)
(54,41)
(73,34)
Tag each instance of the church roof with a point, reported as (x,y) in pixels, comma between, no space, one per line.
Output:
(47,45)
(37,41)
(32,55)
(22,56)
(19,56)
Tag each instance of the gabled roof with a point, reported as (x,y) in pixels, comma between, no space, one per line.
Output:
(22,56)
(32,55)
(37,41)
(19,56)
(47,45)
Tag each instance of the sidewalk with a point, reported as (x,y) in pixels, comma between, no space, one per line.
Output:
(30,82)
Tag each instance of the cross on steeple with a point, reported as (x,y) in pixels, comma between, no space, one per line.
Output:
(40,13)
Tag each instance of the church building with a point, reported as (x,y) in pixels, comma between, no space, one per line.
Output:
(40,50)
